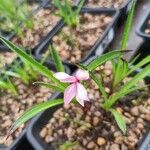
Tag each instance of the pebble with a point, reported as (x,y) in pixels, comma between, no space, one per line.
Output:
(147,117)
(91,145)
(43,132)
(95,121)
(114,147)
(135,111)
(101,141)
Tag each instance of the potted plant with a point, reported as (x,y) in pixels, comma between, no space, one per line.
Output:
(73,39)
(15,85)
(114,114)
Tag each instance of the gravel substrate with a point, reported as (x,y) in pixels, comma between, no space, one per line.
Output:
(6,58)
(105,3)
(43,22)
(12,107)
(91,128)
(73,44)
(147,30)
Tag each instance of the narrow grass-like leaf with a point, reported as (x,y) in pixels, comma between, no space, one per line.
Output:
(102,59)
(34,111)
(120,120)
(143,62)
(99,84)
(134,59)
(48,85)
(12,74)
(57,59)
(120,72)
(42,69)
(128,26)
(128,87)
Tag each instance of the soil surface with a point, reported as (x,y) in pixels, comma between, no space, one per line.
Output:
(147,30)
(6,58)
(91,128)
(104,3)
(12,107)
(73,44)
(43,22)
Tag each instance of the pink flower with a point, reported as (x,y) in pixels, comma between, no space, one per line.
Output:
(76,89)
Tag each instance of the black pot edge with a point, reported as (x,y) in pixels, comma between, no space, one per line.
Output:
(21,137)
(15,143)
(141,26)
(48,3)
(38,144)
(123,11)
(102,43)
(145,143)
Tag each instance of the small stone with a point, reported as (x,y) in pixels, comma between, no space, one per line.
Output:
(95,121)
(70,132)
(143,110)
(124,147)
(101,141)
(135,111)
(91,145)
(147,117)
(140,126)
(114,147)
(117,133)
(119,109)
(43,132)
(119,140)
(128,121)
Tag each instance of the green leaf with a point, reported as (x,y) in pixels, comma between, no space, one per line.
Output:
(119,120)
(12,74)
(120,72)
(99,84)
(128,26)
(143,62)
(42,69)
(57,59)
(56,88)
(102,59)
(128,87)
(34,111)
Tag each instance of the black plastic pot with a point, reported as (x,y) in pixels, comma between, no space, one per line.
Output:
(16,143)
(49,3)
(145,144)
(100,45)
(36,125)
(142,26)
(43,118)
(123,11)
(21,143)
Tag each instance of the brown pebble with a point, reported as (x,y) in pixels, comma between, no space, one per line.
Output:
(101,141)
(91,145)
(135,111)
(114,147)
(95,121)
(147,117)
(43,132)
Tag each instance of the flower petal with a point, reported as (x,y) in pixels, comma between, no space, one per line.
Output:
(81,94)
(70,93)
(64,77)
(82,75)
(80,101)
